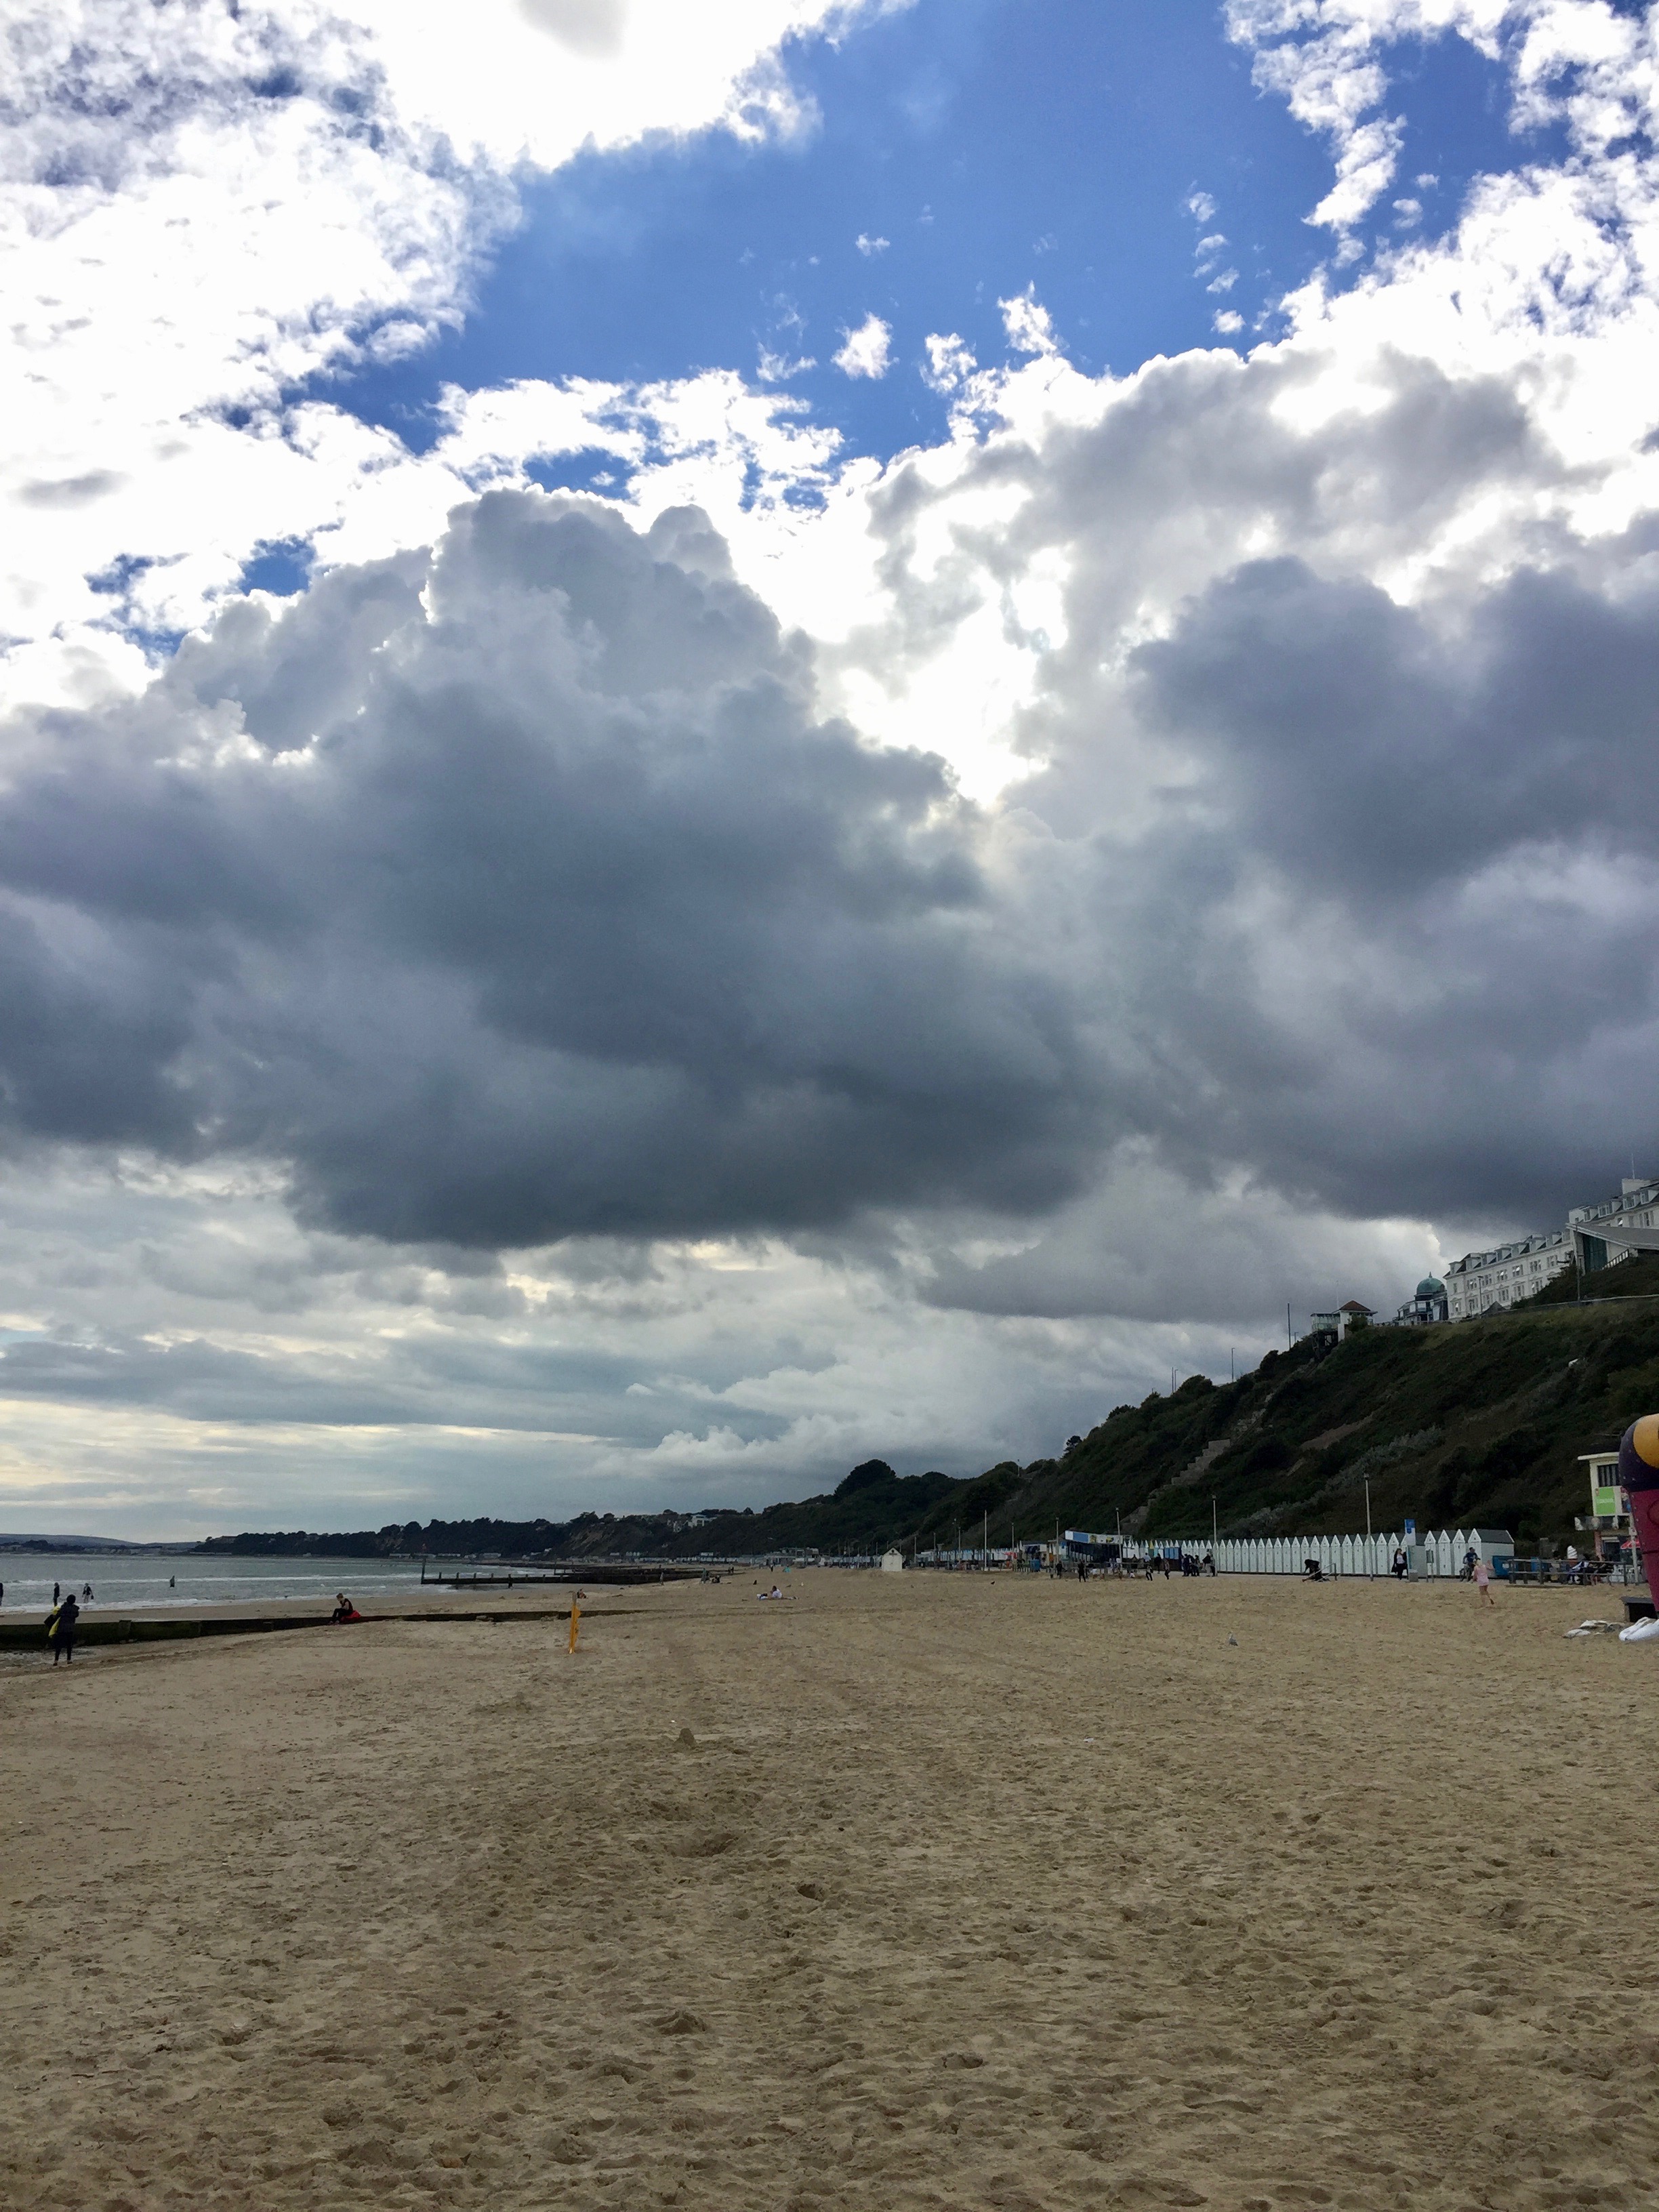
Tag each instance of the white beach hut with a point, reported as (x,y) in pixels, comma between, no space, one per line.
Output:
(892,1563)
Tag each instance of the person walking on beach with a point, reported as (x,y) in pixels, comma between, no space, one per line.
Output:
(1482,1576)
(56,1593)
(62,1631)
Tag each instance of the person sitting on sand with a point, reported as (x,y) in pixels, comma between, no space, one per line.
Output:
(344,1610)
(61,1630)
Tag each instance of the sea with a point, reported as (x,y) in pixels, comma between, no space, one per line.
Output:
(122,1581)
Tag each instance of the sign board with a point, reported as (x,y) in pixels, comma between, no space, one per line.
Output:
(1411,1531)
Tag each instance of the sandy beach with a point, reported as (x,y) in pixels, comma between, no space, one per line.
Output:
(908,1890)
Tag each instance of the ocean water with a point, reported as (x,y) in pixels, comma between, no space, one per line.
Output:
(122,1582)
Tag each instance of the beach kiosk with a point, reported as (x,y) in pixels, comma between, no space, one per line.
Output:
(1607,1520)
(892,1562)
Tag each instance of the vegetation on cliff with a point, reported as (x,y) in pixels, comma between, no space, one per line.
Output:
(1475,1425)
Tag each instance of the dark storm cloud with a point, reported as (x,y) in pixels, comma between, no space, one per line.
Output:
(1367,751)
(518,891)
(522,894)
(1407,905)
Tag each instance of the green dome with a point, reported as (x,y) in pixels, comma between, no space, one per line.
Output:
(1428,1288)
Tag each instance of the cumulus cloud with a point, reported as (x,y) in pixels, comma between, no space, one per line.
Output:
(518,893)
(867,351)
(1582,63)
(1031,328)
(949,364)
(202,207)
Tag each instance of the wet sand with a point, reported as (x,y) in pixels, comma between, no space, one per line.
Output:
(418,1597)
(967,1891)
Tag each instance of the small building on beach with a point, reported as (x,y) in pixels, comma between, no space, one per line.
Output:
(892,1562)
(1608,1519)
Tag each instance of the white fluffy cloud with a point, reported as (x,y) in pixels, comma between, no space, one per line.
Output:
(202,207)
(865,351)
(1587,63)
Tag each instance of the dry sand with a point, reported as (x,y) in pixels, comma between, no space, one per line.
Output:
(978,1893)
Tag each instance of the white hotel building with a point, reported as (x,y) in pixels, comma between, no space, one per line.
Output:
(1595,1236)
(1618,1228)
(1480,1281)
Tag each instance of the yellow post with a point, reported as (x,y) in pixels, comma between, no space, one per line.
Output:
(575,1619)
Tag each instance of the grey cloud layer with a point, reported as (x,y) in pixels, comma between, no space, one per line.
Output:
(1365,750)
(523,896)
(521,891)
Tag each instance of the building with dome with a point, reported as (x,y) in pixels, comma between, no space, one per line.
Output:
(1427,1304)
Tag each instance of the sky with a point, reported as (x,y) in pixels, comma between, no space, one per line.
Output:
(735,739)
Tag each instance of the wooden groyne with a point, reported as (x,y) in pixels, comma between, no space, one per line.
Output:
(23,1634)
